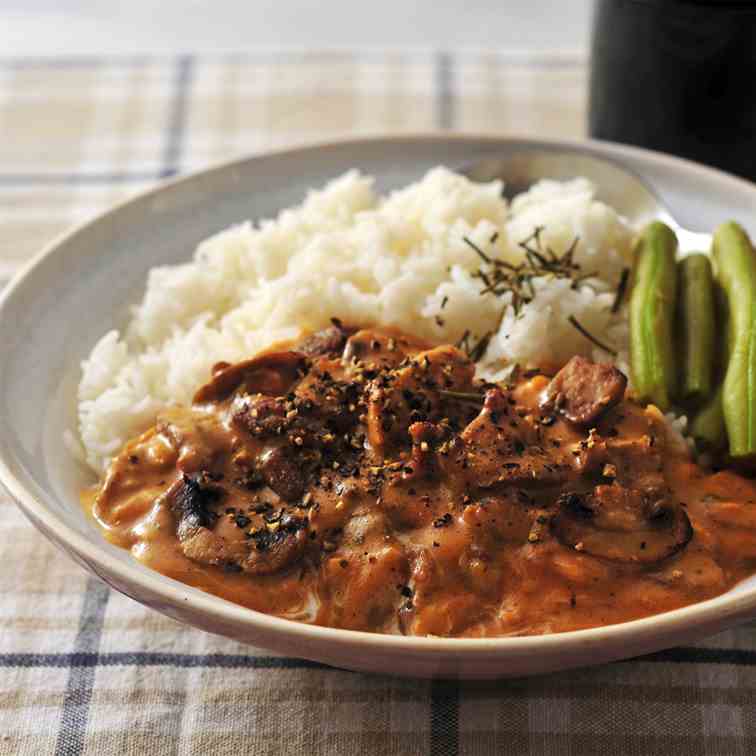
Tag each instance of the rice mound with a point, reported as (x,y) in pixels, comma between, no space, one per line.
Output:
(397,260)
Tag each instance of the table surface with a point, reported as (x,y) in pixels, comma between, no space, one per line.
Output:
(85,670)
(58,27)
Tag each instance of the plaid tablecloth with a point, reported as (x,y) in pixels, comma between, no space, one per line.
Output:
(86,670)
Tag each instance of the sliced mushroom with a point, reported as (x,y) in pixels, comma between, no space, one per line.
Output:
(274,550)
(583,390)
(191,497)
(263,551)
(266,552)
(618,524)
(273,374)
(329,341)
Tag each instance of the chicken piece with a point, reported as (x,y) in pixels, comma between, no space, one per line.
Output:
(365,576)
(426,438)
(442,600)
(412,393)
(502,448)
(509,517)
(194,435)
(635,462)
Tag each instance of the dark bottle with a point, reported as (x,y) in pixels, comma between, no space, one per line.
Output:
(679,77)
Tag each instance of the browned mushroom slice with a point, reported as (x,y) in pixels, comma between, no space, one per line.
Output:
(262,551)
(329,341)
(583,390)
(192,497)
(274,550)
(616,523)
(273,374)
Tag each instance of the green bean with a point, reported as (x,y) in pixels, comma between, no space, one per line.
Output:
(708,426)
(652,309)
(735,264)
(696,324)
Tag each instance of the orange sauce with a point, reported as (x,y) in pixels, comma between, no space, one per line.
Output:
(432,551)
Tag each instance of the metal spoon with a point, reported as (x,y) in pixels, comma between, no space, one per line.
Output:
(615,185)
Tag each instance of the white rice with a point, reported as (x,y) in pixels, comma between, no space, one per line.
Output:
(399,260)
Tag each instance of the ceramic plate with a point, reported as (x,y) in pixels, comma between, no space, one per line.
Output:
(81,286)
